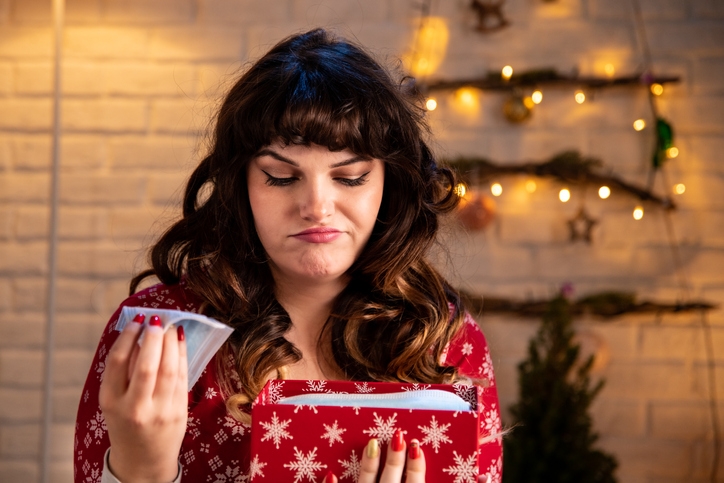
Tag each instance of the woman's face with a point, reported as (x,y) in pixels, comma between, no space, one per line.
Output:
(314,209)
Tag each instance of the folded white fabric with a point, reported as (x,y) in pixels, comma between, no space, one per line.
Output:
(415,399)
(204,335)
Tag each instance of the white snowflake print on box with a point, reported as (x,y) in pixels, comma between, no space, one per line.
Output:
(333,438)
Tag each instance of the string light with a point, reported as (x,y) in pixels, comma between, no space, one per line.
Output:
(610,70)
(537,96)
(580,97)
(531,186)
(679,188)
(604,192)
(638,212)
(496,189)
(564,195)
(672,152)
(460,190)
(466,101)
(639,124)
(431,104)
(507,72)
(657,89)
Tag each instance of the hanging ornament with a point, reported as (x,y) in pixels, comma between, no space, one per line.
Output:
(518,108)
(581,226)
(475,210)
(490,15)
(664,141)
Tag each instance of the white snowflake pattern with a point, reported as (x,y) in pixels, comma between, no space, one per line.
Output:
(491,421)
(192,427)
(494,473)
(468,393)
(276,430)
(94,476)
(352,467)
(305,465)
(215,463)
(363,388)
(467,348)
(237,427)
(97,425)
(316,386)
(311,407)
(275,391)
(435,434)
(231,475)
(256,467)
(333,433)
(465,469)
(211,393)
(486,369)
(416,387)
(384,429)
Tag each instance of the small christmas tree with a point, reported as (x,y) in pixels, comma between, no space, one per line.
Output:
(552,439)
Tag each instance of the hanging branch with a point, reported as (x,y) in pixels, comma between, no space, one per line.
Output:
(567,167)
(537,78)
(604,304)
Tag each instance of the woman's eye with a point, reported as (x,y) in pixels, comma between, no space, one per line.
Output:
(360,180)
(274,181)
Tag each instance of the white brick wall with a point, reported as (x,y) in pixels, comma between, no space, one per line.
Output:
(141,80)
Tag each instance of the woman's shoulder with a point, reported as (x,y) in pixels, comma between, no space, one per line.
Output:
(468,351)
(161,296)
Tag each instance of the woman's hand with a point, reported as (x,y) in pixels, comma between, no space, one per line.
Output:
(397,457)
(144,400)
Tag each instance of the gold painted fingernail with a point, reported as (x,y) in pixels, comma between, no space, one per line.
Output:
(373,448)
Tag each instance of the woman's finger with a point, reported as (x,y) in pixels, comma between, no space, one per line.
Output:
(370,463)
(183,367)
(415,463)
(115,376)
(143,379)
(395,463)
(167,377)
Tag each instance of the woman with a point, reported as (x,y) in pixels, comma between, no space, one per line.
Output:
(305,229)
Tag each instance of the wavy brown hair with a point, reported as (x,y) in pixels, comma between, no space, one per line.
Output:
(394,319)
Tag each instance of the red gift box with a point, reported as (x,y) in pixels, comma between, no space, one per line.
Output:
(301,443)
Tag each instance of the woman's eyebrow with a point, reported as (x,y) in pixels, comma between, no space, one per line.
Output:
(279,157)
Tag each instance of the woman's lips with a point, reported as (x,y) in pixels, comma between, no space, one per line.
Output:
(318,235)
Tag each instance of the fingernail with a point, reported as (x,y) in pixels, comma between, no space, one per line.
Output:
(139,318)
(180,333)
(414,449)
(330,478)
(373,448)
(155,321)
(398,441)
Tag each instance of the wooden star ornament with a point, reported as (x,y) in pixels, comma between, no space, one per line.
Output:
(581,226)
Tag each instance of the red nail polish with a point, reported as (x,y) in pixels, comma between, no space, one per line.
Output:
(155,321)
(398,441)
(139,318)
(414,449)
(180,333)
(330,478)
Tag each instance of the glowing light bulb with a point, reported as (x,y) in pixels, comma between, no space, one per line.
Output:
(639,124)
(580,97)
(536,97)
(604,192)
(431,104)
(507,72)
(679,188)
(460,190)
(638,212)
(672,152)
(657,89)
(610,70)
(531,186)
(564,195)
(496,189)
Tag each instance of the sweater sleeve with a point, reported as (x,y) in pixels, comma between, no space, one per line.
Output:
(470,354)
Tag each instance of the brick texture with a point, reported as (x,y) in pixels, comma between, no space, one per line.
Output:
(141,81)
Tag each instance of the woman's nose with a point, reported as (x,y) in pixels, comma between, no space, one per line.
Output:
(318,203)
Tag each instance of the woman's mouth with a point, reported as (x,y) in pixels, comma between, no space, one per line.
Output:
(318,235)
